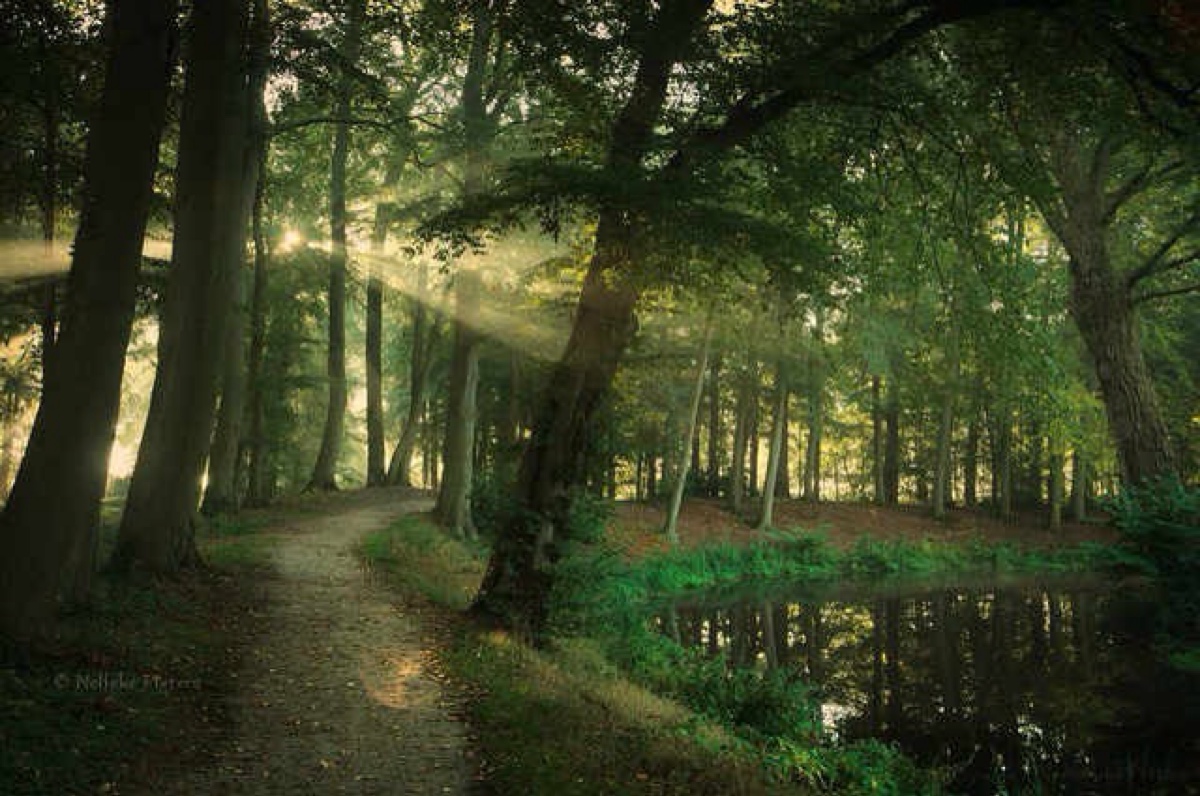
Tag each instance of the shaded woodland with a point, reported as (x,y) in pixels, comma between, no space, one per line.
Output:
(535,255)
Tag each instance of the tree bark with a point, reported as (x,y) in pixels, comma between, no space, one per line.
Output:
(672,523)
(775,451)
(1102,305)
(48,525)
(376,474)
(454,498)
(424,337)
(941,474)
(257,491)
(741,429)
(891,449)
(157,527)
(324,475)
(224,461)
(1056,490)
(1079,489)
(877,442)
(971,464)
(782,479)
(715,432)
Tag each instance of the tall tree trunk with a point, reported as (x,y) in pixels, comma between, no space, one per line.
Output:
(221,493)
(774,453)
(941,474)
(672,523)
(971,463)
(891,448)
(715,432)
(424,338)
(737,466)
(1103,307)
(877,442)
(812,457)
(324,475)
(157,527)
(224,460)
(257,487)
(1079,480)
(782,479)
(48,525)
(1057,490)
(376,475)
(454,498)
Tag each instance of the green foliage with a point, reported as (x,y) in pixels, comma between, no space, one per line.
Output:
(1160,522)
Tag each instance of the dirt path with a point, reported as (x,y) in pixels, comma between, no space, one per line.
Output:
(341,694)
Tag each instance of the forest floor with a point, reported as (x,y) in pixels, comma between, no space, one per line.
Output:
(636,527)
(341,692)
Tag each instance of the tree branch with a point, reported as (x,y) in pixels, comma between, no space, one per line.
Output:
(378,124)
(751,113)
(1159,294)
(1143,179)
(1155,263)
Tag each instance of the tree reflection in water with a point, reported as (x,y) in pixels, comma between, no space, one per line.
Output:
(1014,688)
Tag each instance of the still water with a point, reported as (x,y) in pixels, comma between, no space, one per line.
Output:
(1037,688)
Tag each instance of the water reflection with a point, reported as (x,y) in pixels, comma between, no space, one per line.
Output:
(1030,689)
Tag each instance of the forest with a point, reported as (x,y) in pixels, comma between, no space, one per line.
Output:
(700,396)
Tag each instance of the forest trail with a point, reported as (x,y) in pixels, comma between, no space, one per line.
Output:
(342,694)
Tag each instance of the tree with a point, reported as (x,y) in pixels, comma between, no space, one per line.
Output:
(324,475)
(225,459)
(47,529)
(214,185)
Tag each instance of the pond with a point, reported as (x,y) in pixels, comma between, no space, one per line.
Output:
(1019,687)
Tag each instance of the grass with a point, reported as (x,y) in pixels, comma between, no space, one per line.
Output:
(129,680)
(561,720)
(611,707)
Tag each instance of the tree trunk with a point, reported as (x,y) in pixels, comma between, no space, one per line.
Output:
(424,338)
(1102,305)
(221,493)
(1056,489)
(257,491)
(1079,479)
(741,428)
(812,458)
(941,470)
(376,475)
(224,461)
(454,498)
(877,442)
(47,528)
(782,479)
(971,464)
(671,527)
(324,475)
(714,427)
(774,453)
(891,449)
(157,528)
(518,578)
